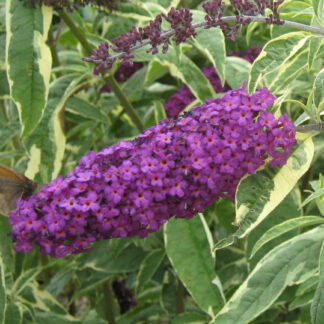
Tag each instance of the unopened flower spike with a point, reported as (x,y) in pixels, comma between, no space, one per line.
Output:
(70,5)
(181,29)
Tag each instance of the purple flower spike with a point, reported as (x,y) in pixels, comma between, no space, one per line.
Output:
(177,168)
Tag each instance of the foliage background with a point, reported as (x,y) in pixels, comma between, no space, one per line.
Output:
(269,270)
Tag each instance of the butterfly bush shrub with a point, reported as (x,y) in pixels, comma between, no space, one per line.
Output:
(116,193)
(177,168)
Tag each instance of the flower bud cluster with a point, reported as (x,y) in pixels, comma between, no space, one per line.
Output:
(181,28)
(176,168)
(74,4)
(183,97)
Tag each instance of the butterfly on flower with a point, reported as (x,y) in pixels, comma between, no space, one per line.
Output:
(13,185)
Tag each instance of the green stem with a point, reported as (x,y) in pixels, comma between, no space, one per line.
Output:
(4,110)
(128,107)
(108,303)
(181,292)
(52,46)
(308,176)
(46,273)
(76,32)
(314,30)
(124,102)
(319,127)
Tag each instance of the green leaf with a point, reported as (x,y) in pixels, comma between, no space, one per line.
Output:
(7,132)
(140,313)
(135,83)
(231,267)
(289,71)
(250,31)
(192,76)
(296,10)
(222,244)
(14,313)
(237,71)
(276,56)
(3,293)
(284,228)
(155,70)
(47,143)
(59,280)
(72,57)
(302,300)
(289,208)
(293,260)
(154,114)
(314,47)
(304,293)
(44,302)
(82,107)
(26,278)
(133,12)
(90,281)
(306,114)
(319,89)
(103,258)
(148,267)
(182,68)
(224,210)
(188,247)
(258,194)
(53,318)
(190,318)
(317,308)
(307,285)
(153,9)
(6,250)
(28,60)
(211,43)
(2,35)
(320,200)
(318,6)
(314,195)
(91,317)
